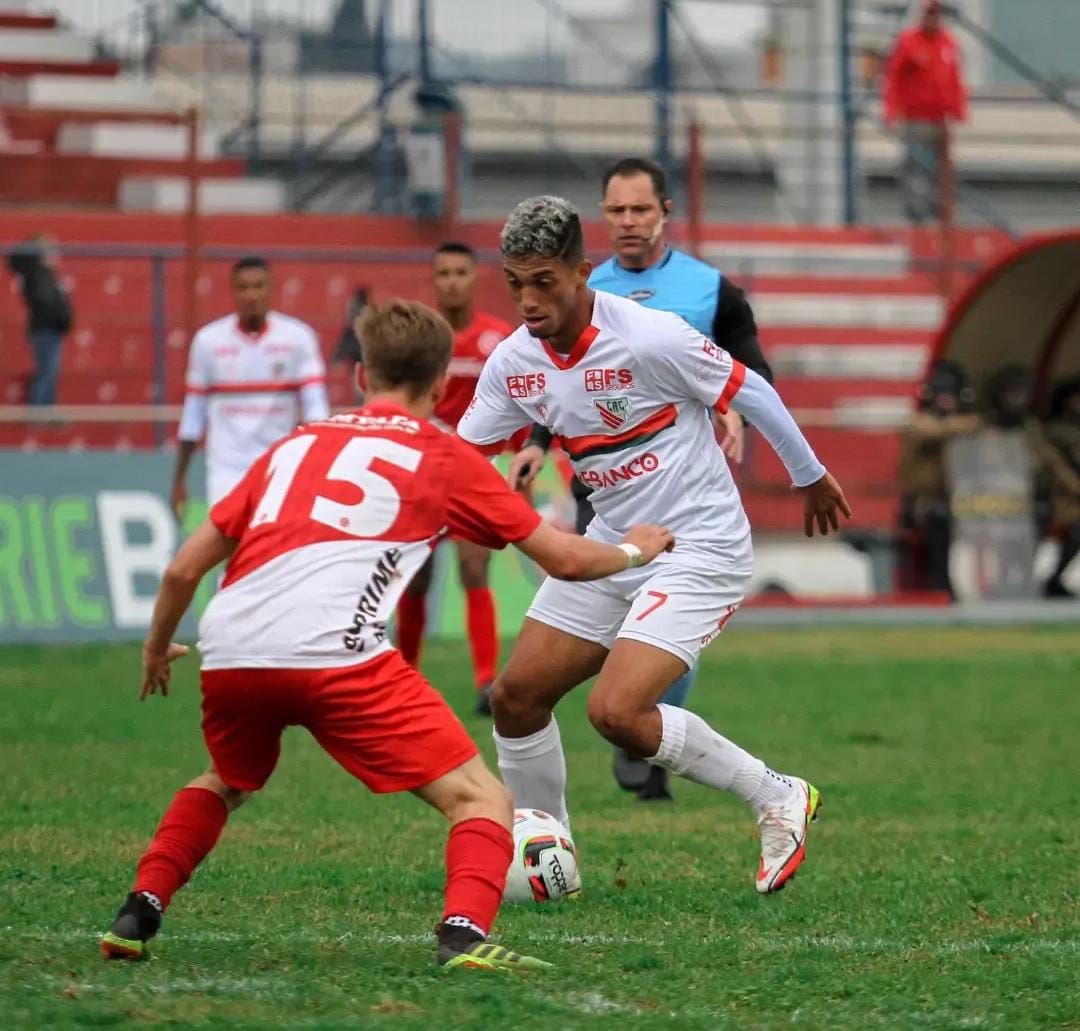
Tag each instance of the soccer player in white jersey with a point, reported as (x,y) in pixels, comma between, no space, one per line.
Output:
(252,377)
(628,390)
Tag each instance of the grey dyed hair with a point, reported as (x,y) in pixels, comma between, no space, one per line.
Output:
(543,227)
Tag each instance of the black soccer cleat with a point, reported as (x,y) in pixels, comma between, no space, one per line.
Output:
(1055,588)
(656,788)
(631,771)
(136,923)
(483,700)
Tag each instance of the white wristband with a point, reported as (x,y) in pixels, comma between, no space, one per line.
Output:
(634,554)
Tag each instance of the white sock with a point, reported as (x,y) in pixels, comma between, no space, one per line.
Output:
(534,769)
(692,749)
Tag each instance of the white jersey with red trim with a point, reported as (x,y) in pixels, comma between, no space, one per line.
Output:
(632,404)
(332,523)
(246,391)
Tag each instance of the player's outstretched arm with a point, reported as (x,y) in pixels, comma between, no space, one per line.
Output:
(567,556)
(203,550)
(823,499)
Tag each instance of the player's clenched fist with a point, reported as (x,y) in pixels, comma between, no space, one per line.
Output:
(525,466)
(822,503)
(650,540)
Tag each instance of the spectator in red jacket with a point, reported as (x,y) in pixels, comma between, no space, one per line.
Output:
(923,90)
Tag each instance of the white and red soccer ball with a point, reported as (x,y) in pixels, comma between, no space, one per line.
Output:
(544,867)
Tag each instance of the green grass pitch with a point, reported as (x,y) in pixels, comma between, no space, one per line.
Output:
(941,887)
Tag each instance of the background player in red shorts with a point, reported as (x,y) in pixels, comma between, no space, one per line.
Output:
(476,335)
(322,535)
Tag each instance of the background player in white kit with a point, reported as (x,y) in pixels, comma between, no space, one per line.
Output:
(628,390)
(251,378)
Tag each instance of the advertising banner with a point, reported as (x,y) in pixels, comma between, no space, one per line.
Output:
(84,539)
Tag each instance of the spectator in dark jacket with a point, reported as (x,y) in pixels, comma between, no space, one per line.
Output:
(49,310)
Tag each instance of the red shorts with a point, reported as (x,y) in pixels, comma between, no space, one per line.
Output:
(381,720)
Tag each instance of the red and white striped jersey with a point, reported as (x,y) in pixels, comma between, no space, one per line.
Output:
(472,345)
(245,391)
(333,522)
(631,404)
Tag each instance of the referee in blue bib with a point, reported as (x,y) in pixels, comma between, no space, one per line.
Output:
(644,268)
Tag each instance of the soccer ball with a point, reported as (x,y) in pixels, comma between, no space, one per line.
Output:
(544,867)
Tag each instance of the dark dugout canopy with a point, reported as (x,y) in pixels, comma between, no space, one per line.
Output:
(1023,310)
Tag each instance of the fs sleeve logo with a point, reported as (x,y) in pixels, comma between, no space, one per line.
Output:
(532,384)
(614,411)
(597,380)
(712,350)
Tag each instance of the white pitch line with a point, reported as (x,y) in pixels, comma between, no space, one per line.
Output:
(778,943)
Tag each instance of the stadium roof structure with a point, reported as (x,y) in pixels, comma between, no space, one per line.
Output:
(1022,310)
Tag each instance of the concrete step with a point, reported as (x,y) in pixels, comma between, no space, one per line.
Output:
(877,311)
(885,362)
(889,413)
(910,285)
(843,259)
(131,140)
(216,196)
(43,45)
(127,93)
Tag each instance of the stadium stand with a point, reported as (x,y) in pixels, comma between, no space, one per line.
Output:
(78,130)
(846,315)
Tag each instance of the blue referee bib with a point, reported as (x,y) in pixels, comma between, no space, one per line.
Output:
(677,283)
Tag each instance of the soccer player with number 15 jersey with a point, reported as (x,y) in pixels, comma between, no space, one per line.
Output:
(322,535)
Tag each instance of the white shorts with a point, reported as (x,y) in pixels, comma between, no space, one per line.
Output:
(680,603)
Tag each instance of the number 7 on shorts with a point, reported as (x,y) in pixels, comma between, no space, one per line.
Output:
(660,597)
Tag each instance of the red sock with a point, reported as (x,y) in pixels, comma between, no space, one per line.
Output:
(478,854)
(411,616)
(187,832)
(483,634)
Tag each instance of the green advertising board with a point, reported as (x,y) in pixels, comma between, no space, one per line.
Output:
(85,537)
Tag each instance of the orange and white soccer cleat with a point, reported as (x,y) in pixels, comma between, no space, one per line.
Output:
(783,836)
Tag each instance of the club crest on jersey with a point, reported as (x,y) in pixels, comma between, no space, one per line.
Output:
(640,295)
(614,411)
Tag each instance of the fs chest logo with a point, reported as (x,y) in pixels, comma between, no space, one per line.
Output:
(597,380)
(530,384)
(614,411)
